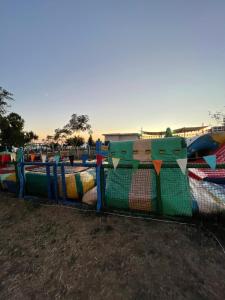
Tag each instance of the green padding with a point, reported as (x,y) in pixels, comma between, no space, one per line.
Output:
(122,150)
(37,184)
(118,187)
(175,193)
(169,149)
(79,184)
(175,190)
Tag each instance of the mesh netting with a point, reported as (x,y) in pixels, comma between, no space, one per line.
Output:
(72,184)
(207,197)
(131,189)
(173,194)
(67,169)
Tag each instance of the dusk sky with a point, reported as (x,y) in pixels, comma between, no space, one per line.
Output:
(127,64)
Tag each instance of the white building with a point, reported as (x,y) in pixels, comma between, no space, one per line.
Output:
(116,137)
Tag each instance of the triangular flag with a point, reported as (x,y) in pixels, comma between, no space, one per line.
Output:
(43,157)
(157,165)
(13,156)
(115,162)
(211,161)
(57,158)
(32,157)
(99,159)
(182,163)
(104,148)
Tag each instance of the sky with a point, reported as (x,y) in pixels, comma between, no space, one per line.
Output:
(126,64)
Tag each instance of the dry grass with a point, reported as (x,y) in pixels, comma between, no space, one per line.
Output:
(58,253)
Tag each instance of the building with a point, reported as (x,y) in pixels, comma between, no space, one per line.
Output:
(116,137)
(217,128)
(186,132)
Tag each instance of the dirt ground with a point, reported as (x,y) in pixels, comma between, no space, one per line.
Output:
(60,253)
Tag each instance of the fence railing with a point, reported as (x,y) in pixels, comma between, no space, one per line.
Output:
(77,152)
(201,191)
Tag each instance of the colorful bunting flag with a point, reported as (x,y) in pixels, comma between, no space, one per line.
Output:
(32,157)
(104,148)
(13,156)
(182,163)
(57,158)
(43,157)
(99,159)
(115,162)
(211,161)
(157,165)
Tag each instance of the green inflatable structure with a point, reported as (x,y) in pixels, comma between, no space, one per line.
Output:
(136,189)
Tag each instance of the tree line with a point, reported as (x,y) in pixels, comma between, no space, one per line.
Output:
(12,128)
(12,131)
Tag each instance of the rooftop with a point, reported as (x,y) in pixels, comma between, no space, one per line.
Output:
(121,134)
(179,130)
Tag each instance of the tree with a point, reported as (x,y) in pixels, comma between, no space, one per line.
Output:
(75,141)
(61,135)
(30,136)
(218,116)
(12,133)
(5,96)
(76,123)
(91,142)
(49,139)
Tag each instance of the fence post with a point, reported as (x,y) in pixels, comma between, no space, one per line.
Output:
(20,160)
(98,146)
(49,180)
(21,179)
(63,181)
(99,190)
(17,177)
(84,158)
(55,175)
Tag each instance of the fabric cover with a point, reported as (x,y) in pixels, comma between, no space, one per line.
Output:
(136,188)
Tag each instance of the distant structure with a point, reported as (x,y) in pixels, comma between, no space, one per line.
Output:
(183,132)
(186,132)
(217,128)
(115,137)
